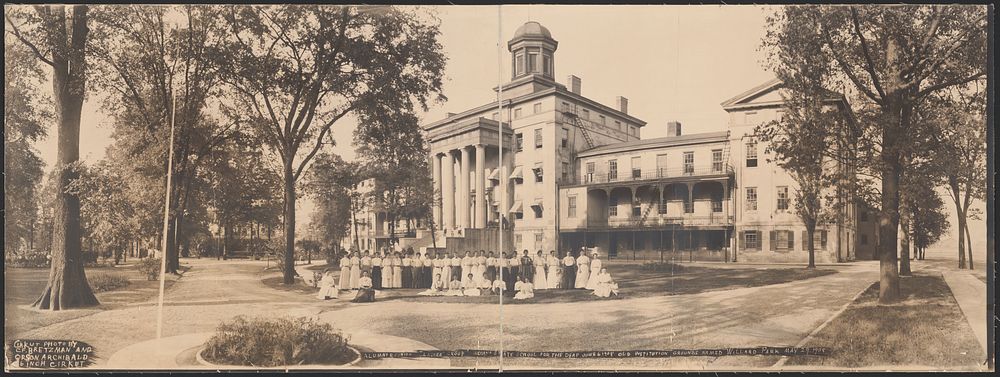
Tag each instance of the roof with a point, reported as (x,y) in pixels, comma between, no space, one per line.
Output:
(660,142)
(532,29)
(753,92)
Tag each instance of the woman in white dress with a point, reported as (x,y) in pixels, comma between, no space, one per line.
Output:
(582,270)
(445,268)
(386,276)
(469,286)
(397,271)
(437,263)
(454,288)
(540,281)
(327,286)
(595,268)
(525,290)
(437,288)
(345,272)
(605,285)
(554,275)
(355,270)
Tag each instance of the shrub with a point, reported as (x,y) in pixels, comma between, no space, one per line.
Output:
(107,281)
(277,342)
(662,267)
(149,267)
(30,259)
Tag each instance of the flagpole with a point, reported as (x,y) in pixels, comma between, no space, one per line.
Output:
(503,180)
(166,207)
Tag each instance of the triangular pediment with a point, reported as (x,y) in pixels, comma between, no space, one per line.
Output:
(765,94)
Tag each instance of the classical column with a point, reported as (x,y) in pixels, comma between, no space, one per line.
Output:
(448,191)
(437,192)
(505,189)
(480,186)
(464,169)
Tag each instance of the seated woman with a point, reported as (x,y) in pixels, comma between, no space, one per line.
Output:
(327,286)
(366,293)
(436,289)
(605,285)
(498,287)
(454,288)
(470,287)
(525,289)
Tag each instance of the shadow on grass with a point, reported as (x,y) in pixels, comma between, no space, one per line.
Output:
(925,328)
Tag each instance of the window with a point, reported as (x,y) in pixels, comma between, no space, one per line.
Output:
(519,64)
(602,120)
(751,240)
(636,210)
(590,172)
(496,116)
(612,170)
(565,107)
(518,240)
(612,208)
(751,154)
(819,240)
(538,138)
(586,114)
(782,198)
(636,167)
(533,62)
(571,207)
(565,171)
(716,205)
(538,211)
(538,239)
(717,160)
(662,205)
(618,125)
(537,108)
(688,162)
(782,240)
(751,198)
(565,138)
(688,205)
(633,130)
(864,239)
(547,64)
(517,113)
(518,142)
(661,165)
(538,172)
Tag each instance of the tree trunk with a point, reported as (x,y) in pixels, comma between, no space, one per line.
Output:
(968,243)
(810,243)
(904,258)
(955,194)
(67,286)
(288,276)
(889,215)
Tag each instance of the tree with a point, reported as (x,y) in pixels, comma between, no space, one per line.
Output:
(45,33)
(26,116)
(139,50)
(891,57)
(927,219)
(108,216)
(331,182)
(301,69)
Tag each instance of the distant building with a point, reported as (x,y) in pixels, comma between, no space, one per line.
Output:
(577,174)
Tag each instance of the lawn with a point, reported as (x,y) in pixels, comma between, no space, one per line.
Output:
(23,285)
(927,328)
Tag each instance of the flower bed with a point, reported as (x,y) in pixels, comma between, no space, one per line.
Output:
(261,342)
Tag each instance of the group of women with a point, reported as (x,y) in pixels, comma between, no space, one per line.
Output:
(448,274)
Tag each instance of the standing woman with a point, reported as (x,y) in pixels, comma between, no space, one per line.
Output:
(582,270)
(355,270)
(345,272)
(527,267)
(503,271)
(595,268)
(538,266)
(428,276)
(366,264)
(480,269)
(407,271)
(377,280)
(467,262)
(397,270)
(438,267)
(569,271)
(456,267)
(515,270)
(491,268)
(446,269)
(555,271)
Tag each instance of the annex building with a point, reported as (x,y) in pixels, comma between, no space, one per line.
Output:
(574,173)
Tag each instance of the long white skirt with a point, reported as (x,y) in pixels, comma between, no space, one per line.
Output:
(592,282)
(582,276)
(539,281)
(327,292)
(554,277)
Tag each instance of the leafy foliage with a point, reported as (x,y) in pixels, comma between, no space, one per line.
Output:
(107,281)
(150,267)
(263,342)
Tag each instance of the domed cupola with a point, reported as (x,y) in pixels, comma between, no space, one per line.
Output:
(532,51)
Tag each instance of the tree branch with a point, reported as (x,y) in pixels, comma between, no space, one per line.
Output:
(34,49)
(869,63)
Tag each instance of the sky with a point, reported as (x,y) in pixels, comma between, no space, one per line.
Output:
(673,63)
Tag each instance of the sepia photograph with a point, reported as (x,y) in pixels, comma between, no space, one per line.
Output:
(498,188)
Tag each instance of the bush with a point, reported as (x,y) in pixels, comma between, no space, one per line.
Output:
(276,342)
(104,281)
(662,267)
(30,259)
(149,267)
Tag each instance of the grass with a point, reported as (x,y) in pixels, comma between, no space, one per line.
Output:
(926,328)
(107,281)
(277,282)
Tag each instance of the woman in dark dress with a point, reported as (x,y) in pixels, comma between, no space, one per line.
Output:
(569,271)
(407,262)
(377,270)
(527,267)
(365,292)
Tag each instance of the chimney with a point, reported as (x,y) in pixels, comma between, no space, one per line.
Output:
(573,83)
(673,129)
(622,104)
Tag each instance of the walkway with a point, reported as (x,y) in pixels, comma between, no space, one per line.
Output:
(970,293)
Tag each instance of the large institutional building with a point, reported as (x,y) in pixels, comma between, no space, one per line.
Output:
(562,171)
